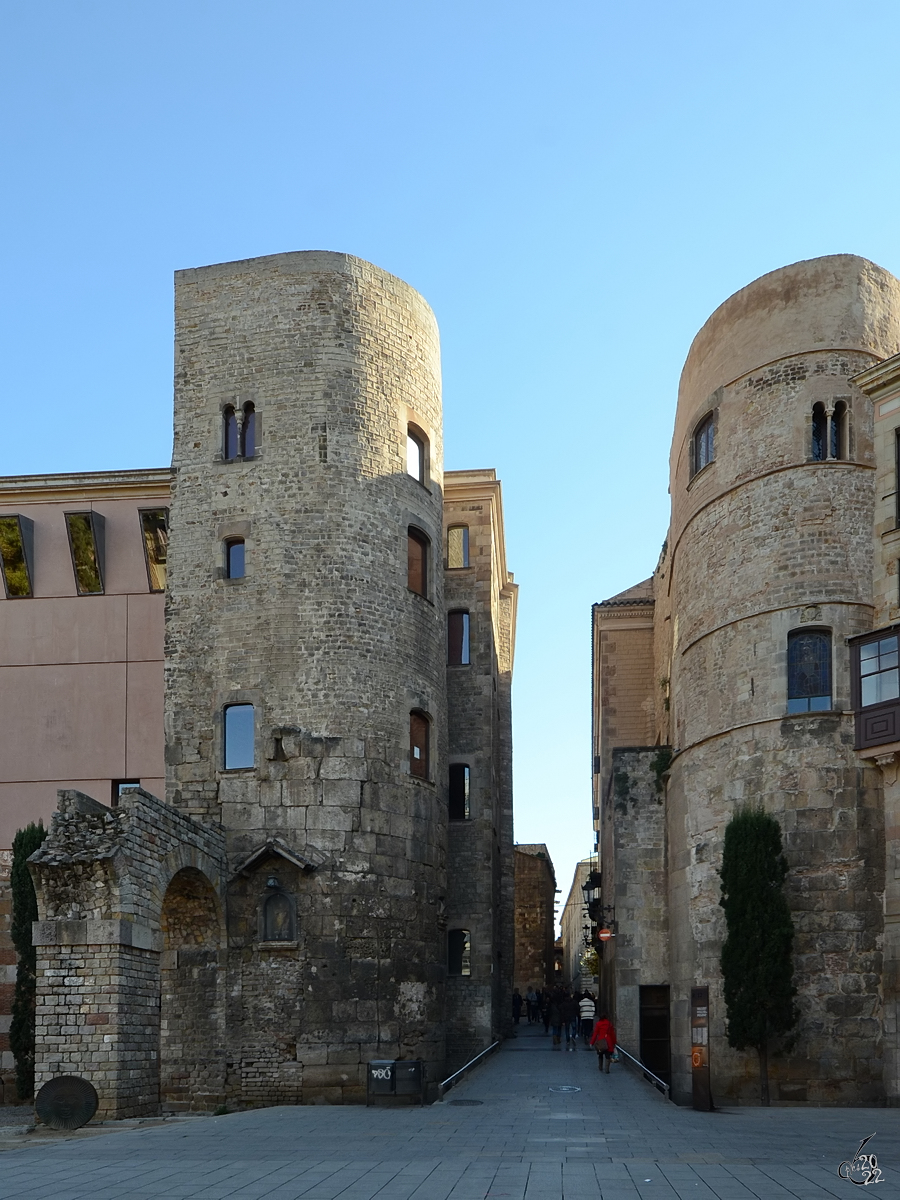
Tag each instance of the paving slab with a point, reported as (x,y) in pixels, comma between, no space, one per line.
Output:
(517,1138)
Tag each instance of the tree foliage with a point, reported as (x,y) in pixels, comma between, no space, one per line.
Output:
(757,966)
(24,912)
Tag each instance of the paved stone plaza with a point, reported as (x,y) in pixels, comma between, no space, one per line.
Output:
(616,1139)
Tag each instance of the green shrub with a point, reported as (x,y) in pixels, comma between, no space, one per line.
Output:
(24,912)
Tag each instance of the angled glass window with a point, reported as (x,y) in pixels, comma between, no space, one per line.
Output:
(879,673)
(86,544)
(155,528)
(15,545)
(278,918)
(459,952)
(819,432)
(229,433)
(458,639)
(417,561)
(415,455)
(809,671)
(234,559)
(248,431)
(459,792)
(239,737)
(418,744)
(458,546)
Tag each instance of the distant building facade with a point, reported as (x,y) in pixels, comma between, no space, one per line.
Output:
(534,924)
(758,665)
(295,853)
(575,926)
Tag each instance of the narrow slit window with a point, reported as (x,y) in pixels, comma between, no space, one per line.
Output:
(155,530)
(418,744)
(819,431)
(14,539)
(85,542)
(459,792)
(458,639)
(248,431)
(809,671)
(229,433)
(704,444)
(235,561)
(417,561)
(459,952)
(239,737)
(457,546)
(839,430)
(415,455)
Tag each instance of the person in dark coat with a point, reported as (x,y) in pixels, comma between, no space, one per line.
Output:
(603,1039)
(570,1020)
(516,1006)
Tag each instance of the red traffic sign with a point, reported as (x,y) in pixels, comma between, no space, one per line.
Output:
(604,935)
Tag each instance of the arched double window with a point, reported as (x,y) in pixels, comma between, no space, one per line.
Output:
(459,952)
(830,432)
(419,739)
(809,670)
(248,431)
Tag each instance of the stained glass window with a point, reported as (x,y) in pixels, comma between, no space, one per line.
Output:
(809,671)
(819,425)
(704,446)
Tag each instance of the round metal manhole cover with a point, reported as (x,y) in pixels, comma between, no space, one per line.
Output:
(67,1102)
(465,1103)
(566,1087)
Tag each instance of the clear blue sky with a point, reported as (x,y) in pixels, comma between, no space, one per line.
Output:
(573,187)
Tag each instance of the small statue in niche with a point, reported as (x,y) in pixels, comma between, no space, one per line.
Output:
(277,915)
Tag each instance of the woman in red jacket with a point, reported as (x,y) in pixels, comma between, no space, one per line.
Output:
(604,1040)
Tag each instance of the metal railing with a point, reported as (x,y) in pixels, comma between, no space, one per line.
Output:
(645,1071)
(457,1075)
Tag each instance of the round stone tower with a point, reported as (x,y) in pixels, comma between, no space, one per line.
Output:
(305,655)
(766,572)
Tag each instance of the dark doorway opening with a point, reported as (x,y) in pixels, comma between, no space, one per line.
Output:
(656,1049)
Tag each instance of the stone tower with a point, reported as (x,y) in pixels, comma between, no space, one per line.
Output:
(306,702)
(766,572)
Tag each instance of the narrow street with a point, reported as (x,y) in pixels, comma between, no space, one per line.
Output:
(503,1132)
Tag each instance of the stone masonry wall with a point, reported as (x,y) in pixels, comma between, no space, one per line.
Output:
(328,643)
(535,900)
(765,541)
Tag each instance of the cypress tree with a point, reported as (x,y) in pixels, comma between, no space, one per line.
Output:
(24,911)
(757,968)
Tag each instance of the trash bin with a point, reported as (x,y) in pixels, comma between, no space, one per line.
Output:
(396,1077)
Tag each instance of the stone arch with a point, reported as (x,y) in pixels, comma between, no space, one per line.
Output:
(192,994)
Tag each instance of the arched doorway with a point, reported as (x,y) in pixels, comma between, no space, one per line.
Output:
(192,995)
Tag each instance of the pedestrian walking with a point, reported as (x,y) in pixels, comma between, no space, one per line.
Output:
(531,1002)
(516,1006)
(570,1020)
(588,1010)
(555,1020)
(603,1039)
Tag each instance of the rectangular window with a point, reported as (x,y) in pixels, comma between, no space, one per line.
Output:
(16,536)
(155,528)
(234,559)
(86,545)
(415,457)
(457,546)
(704,444)
(458,639)
(459,952)
(459,792)
(809,671)
(418,745)
(122,785)
(239,737)
(878,671)
(417,562)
